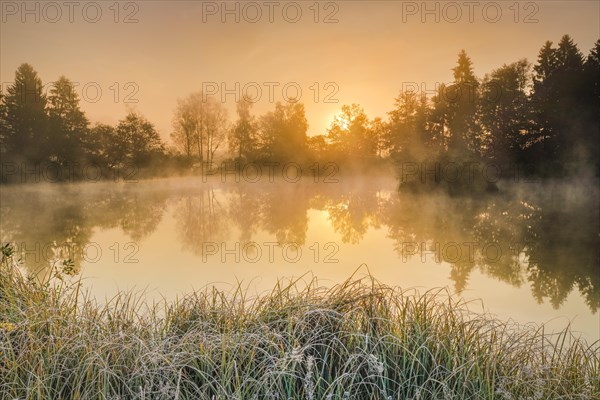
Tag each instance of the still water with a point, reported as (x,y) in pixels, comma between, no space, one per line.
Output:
(530,252)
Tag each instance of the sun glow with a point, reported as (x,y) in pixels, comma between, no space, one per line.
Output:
(341,121)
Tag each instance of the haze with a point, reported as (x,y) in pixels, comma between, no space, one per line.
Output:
(369,54)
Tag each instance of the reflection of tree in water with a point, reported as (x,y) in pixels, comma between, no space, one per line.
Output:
(351,214)
(434,227)
(556,240)
(278,210)
(543,236)
(553,245)
(137,214)
(47,227)
(65,218)
(200,219)
(565,249)
(283,213)
(244,210)
(509,236)
(502,225)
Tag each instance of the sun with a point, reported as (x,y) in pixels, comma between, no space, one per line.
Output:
(341,121)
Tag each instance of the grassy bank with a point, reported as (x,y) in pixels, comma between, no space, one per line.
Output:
(358,340)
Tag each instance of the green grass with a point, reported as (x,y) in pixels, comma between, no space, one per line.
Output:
(358,340)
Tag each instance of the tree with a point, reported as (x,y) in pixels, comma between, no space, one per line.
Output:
(543,97)
(103,147)
(408,135)
(462,99)
(557,89)
(592,72)
(3,126)
(568,56)
(379,132)
(454,116)
(67,123)
(438,120)
(318,148)
(547,63)
(216,127)
(189,123)
(200,126)
(591,105)
(351,135)
(505,112)
(242,139)
(282,135)
(25,123)
(137,141)
(184,128)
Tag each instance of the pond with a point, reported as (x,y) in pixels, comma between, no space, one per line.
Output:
(528,253)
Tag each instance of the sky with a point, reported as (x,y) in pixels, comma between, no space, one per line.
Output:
(145,55)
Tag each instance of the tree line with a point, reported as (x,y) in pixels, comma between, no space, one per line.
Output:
(545,116)
(40,128)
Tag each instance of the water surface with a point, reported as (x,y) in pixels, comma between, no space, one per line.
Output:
(529,252)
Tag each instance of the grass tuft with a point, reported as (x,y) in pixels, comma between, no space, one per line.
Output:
(358,340)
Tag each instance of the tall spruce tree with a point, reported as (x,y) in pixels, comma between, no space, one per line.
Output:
(25,133)
(67,123)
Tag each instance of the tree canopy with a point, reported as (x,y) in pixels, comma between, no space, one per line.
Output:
(545,115)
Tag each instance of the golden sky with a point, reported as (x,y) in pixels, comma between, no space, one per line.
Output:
(155,52)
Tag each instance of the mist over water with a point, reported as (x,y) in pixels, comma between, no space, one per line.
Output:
(529,251)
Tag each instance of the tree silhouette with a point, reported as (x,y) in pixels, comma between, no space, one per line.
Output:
(200,127)
(461,99)
(216,127)
(186,127)
(243,135)
(3,123)
(548,121)
(591,105)
(282,136)
(25,120)
(68,123)
(505,113)
(352,136)
(558,86)
(101,146)
(137,141)
(409,138)
(592,71)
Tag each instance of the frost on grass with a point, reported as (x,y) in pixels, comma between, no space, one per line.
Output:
(358,340)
